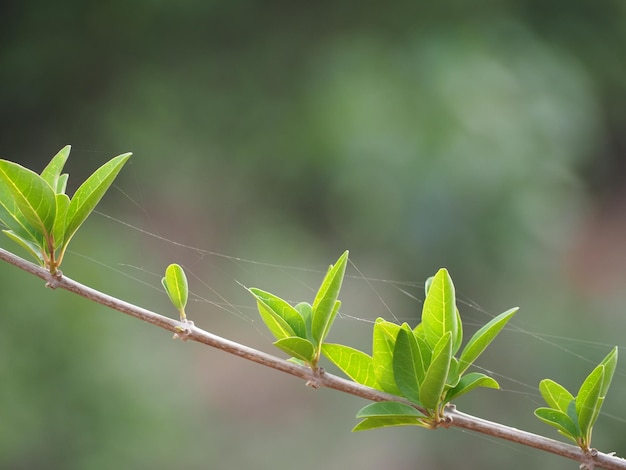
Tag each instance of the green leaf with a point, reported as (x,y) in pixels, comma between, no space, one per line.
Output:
(51,174)
(386,414)
(439,311)
(469,382)
(297,347)
(354,363)
(330,321)
(453,374)
(425,353)
(33,249)
(555,395)
(386,409)
(306,311)
(14,220)
(435,380)
(175,283)
(482,338)
(384,340)
(432,387)
(90,192)
(272,318)
(571,412)
(325,304)
(559,420)
(609,363)
(58,229)
(458,340)
(62,183)
(418,331)
(587,401)
(375,423)
(281,318)
(33,197)
(409,367)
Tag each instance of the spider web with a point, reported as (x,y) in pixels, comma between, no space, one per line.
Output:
(374,297)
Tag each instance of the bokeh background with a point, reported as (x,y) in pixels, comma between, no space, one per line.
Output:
(270,136)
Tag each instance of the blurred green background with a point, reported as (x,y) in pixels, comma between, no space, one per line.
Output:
(486,137)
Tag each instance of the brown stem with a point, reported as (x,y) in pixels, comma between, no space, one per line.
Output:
(317,378)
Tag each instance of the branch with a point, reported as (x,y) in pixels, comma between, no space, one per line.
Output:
(319,378)
(588,460)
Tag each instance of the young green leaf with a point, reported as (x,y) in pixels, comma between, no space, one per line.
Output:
(376,423)
(571,412)
(387,409)
(329,322)
(297,347)
(32,249)
(33,197)
(52,172)
(482,338)
(555,395)
(14,220)
(306,311)
(354,363)
(325,304)
(559,420)
(409,367)
(384,340)
(388,413)
(58,229)
(439,312)
(282,310)
(418,331)
(175,283)
(453,374)
(277,314)
(609,363)
(458,340)
(435,380)
(425,353)
(62,183)
(469,382)
(588,403)
(90,192)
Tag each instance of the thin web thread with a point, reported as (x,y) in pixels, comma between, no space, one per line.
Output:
(292,271)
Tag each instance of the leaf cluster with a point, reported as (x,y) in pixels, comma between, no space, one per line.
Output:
(574,417)
(425,364)
(300,330)
(420,363)
(37,213)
